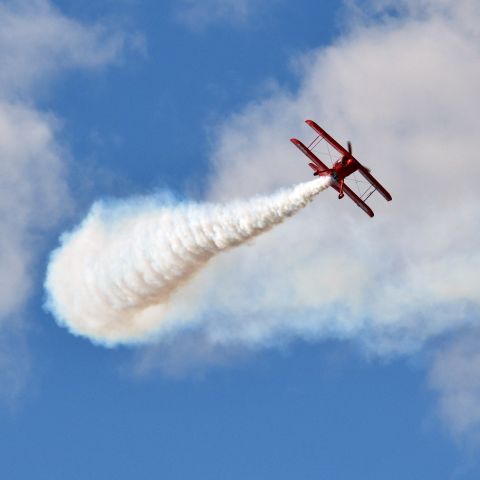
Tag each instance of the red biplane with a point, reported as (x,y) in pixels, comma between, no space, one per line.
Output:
(346,165)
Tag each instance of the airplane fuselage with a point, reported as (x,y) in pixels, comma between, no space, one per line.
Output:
(343,168)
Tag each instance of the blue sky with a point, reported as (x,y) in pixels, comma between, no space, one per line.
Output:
(122,98)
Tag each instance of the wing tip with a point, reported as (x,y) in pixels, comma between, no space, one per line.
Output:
(367,210)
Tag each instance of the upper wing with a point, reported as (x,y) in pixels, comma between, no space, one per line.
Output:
(321,166)
(327,137)
(376,184)
(350,193)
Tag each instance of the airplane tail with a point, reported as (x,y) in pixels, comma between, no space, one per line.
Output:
(318,172)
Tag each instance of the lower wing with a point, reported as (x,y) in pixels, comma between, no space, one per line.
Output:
(375,183)
(358,201)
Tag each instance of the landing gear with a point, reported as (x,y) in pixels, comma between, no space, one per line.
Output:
(341,194)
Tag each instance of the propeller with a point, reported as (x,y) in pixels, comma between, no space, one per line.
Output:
(349,148)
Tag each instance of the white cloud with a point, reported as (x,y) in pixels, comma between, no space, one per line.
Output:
(405,90)
(405,93)
(33,195)
(198,15)
(36,43)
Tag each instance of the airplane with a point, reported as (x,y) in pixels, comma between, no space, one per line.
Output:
(342,168)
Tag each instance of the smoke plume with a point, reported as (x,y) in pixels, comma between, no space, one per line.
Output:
(109,277)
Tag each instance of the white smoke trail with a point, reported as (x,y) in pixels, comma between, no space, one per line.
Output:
(123,260)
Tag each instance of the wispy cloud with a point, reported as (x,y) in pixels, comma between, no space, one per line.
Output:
(455,376)
(199,15)
(15,365)
(33,194)
(37,42)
